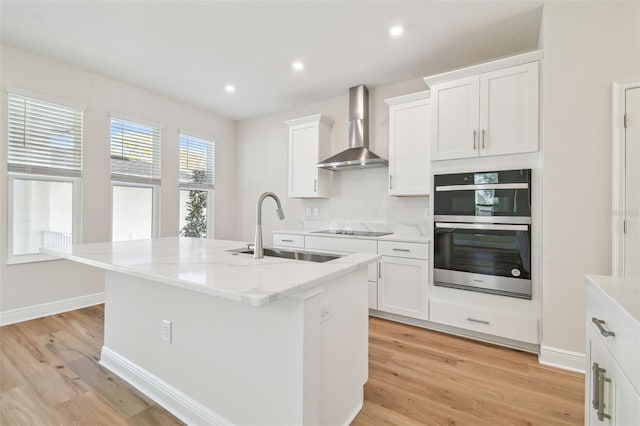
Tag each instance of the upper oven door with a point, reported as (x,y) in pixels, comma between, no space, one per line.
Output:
(488,249)
(465,197)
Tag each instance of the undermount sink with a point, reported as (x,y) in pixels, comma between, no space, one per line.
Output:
(286,254)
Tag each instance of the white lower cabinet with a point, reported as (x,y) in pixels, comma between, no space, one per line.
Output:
(612,379)
(403,287)
(503,324)
(611,400)
(403,279)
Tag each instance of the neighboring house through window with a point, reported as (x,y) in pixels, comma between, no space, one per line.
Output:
(197,180)
(135,176)
(45,170)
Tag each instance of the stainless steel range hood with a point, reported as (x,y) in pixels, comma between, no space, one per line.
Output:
(357,156)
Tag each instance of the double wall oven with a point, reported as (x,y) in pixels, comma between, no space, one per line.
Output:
(482,232)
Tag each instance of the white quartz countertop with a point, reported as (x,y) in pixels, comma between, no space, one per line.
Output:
(390,237)
(206,266)
(624,292)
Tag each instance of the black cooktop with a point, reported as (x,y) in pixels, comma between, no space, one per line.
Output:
(350,232)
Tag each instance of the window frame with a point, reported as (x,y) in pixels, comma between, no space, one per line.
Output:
(190,186)
(155,206)
(43,175)
(76,214)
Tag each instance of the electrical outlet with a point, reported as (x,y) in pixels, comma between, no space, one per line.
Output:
(166,331)
(326,313)
(307,211)
(316,211)
(427,212)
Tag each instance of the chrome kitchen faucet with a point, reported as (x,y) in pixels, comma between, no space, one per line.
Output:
(258,251)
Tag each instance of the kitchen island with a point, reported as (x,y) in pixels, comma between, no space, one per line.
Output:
(218,337)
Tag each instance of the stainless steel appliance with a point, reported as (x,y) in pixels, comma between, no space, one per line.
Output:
(358,155)
(482,232)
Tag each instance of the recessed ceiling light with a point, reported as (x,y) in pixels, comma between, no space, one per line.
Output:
(297,65)
(396,31)
(230,88)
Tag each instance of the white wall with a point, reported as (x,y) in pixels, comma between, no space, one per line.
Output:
(587,46)
(357,195)
(37,283)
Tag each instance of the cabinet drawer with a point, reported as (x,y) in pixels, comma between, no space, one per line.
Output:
(286,240)
(511,326)
(403,249)
(346,245)
(624,346)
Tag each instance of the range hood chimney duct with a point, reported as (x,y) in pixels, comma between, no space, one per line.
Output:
(358,155)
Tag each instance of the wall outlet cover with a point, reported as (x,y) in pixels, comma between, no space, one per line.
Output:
(166,331)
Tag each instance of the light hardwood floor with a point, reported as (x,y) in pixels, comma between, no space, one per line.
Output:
(49,375)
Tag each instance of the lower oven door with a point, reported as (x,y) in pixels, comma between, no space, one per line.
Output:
(490,258)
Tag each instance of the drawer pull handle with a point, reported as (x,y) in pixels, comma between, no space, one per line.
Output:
(287,241)
(405,250)
(598,391)
(479,321)
(600,323)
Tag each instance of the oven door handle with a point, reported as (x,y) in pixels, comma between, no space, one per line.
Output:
(479,186)
(482,226)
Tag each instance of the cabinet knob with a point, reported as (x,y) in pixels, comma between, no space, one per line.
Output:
(474,139)
(482,138)
(315,185)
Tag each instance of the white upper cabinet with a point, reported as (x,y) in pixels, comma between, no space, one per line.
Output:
(491,113)
(309,142)
(409,144)
(455,119)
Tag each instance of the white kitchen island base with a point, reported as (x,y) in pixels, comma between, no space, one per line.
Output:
(298,360)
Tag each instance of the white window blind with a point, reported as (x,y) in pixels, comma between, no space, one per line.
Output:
(44,137)
(135,152)
(197,161)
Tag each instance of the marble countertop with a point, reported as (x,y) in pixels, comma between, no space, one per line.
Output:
(391,237)
(624,292)
(206,266)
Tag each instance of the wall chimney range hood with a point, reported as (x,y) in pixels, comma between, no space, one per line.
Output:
(357,156)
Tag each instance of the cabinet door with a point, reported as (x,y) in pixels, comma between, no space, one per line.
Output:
(612,393)
(509,110)
(455,116)
(303,157)
(403,287)
(410,148)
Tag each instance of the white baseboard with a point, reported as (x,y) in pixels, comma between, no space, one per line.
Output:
(563,359)
(171,399)
(38,311)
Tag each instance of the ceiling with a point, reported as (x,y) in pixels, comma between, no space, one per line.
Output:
(189,50)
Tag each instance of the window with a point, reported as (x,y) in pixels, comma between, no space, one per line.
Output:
(197,177)
(45,167)
(135,173)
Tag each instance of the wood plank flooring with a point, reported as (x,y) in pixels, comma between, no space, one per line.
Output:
(49,375)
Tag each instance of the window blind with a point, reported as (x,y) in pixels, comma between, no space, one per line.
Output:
(135,152)
(44,137)
(197,161)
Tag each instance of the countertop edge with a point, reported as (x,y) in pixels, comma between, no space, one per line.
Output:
(594,282)
(249,299)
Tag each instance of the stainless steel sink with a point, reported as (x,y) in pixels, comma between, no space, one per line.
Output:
(286,254)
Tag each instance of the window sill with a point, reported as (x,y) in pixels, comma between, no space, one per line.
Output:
(30,258)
